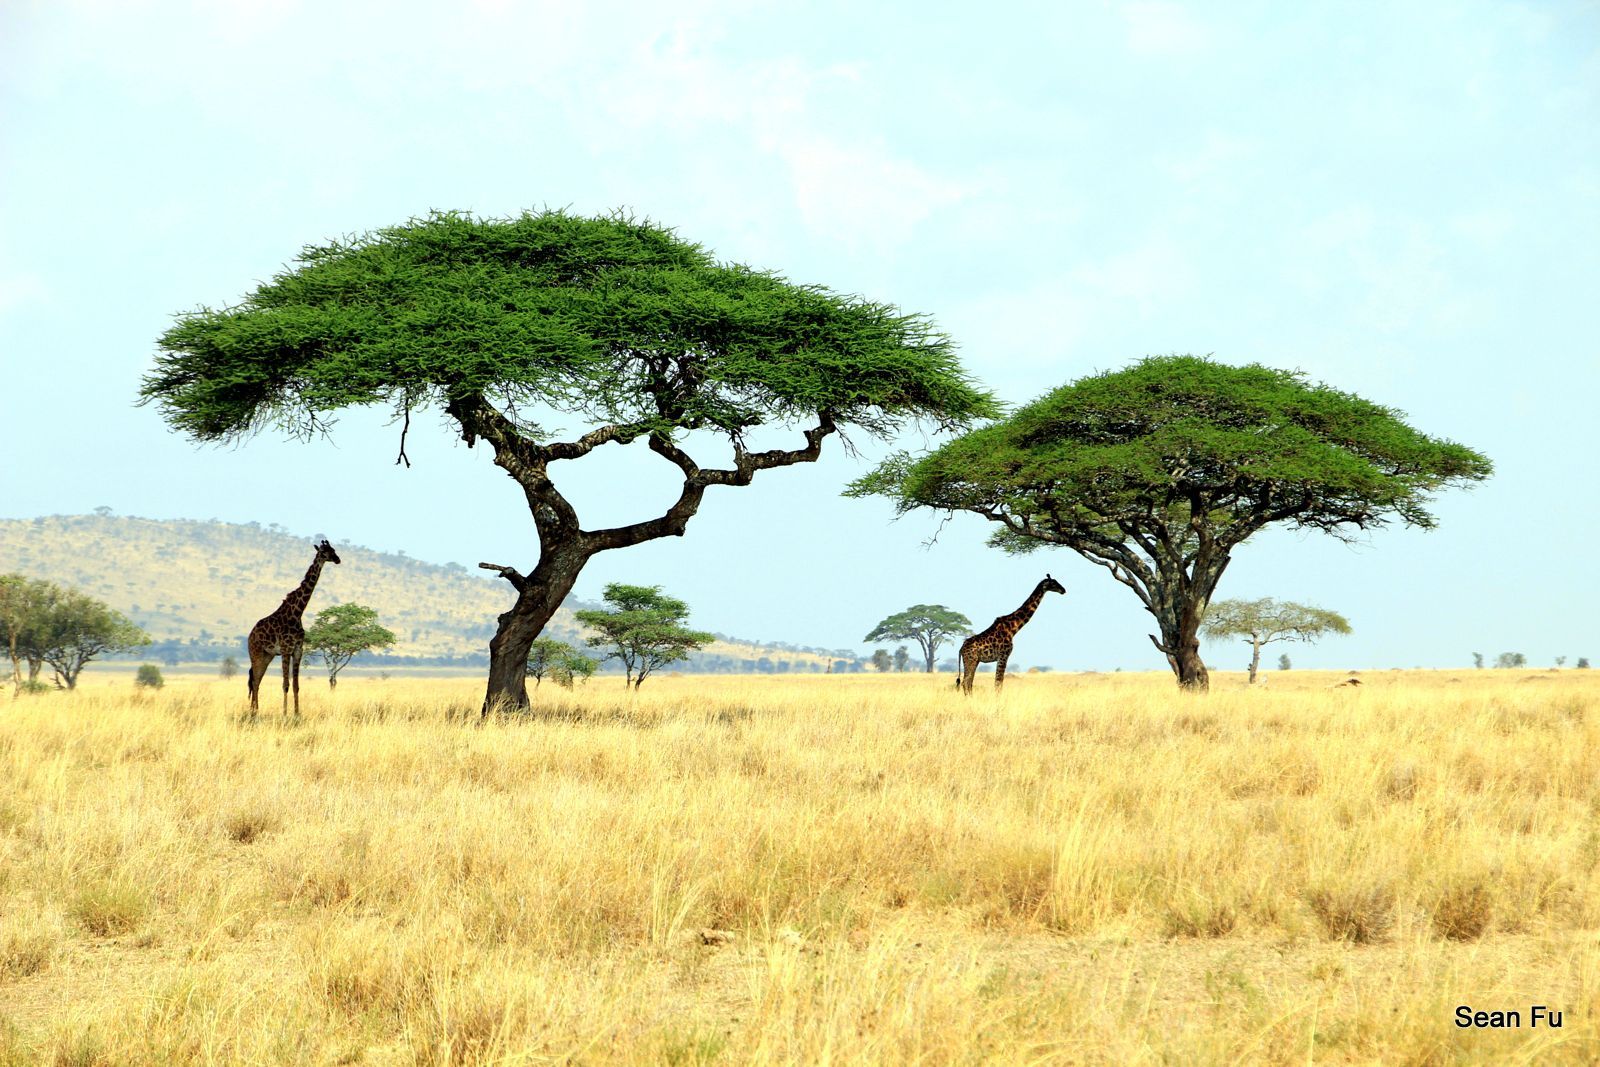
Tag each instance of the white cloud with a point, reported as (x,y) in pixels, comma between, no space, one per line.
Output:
(1160,29)
(862,193)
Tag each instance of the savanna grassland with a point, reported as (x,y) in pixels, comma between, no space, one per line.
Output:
(826,870)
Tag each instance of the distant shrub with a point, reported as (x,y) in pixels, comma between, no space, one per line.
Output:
(1350,913)
(1462,912)
(149,676)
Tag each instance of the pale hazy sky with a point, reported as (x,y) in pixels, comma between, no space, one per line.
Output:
(1402,200)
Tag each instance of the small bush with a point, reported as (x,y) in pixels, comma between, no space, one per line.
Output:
(149,677)
(1362,916)
(1463,912)
(249,821)
(35,687)
(26,950)
(109,908)
(1197,916)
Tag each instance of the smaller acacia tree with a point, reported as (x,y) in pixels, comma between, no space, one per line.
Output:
(75,628)
(1261,622)
(559,662)
(902,659)
(342,632)
(929,625)
(644,628)
(572,666)
(19,609)
(228,668)
(881,661)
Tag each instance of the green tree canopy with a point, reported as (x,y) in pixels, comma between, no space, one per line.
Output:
(68,629)
(342,632)
(1159,471)
(559,661)
(644,629)
(510,326)
(929,625)
(1261,622)
(24,604)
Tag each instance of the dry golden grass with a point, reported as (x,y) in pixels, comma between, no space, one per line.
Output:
(823,870)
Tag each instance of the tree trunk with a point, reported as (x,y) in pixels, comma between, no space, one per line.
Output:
(1180,642)
(538,597)
(929,650)
(1255,660)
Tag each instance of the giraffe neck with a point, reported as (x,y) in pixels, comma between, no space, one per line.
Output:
(295,603)
(1020,617)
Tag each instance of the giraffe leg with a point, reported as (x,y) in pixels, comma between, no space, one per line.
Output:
(969,667)
(287,656)
(297,656)
(258,671)
(1000,670)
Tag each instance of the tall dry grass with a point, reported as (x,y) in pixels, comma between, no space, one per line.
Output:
(844,869)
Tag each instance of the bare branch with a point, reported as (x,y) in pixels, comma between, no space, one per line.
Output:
(510,574)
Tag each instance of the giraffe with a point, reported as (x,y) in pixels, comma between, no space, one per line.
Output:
(281,634)
(994,644)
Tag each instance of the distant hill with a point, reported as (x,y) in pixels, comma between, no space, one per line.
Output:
(206,583)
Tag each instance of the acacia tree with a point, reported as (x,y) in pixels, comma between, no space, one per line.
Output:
(559,661)
(929,625)
(342,632)
(1160,471)
(1261,622)
(19,609)
(74,629)
(644,628)
(508,324)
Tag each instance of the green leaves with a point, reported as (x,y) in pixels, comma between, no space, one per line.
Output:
(610,318)
(644,628)
(343,630)
(929,625)
(1157,472)
(1232,448)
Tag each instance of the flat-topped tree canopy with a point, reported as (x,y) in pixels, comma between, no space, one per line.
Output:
(612,321)
(1159,470)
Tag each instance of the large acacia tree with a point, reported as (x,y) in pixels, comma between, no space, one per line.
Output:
(511,326)
(1159,471)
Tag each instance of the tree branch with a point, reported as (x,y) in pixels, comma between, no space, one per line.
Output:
(510,574)
(695,481)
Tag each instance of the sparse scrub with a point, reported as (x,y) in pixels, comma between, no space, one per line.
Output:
(1463,910)
(1359,913)
(108,907)
(738,870)
(27,947)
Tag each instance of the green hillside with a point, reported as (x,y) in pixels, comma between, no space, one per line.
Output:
(210,581)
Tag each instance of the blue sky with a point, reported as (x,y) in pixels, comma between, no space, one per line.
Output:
(1401,200)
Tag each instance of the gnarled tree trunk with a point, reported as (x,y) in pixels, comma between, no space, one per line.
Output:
(538,597)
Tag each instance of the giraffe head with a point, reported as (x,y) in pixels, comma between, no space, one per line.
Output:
(325,552)
(1052,586)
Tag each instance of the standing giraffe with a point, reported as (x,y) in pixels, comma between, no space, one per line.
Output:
(994,644)
(281,634)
